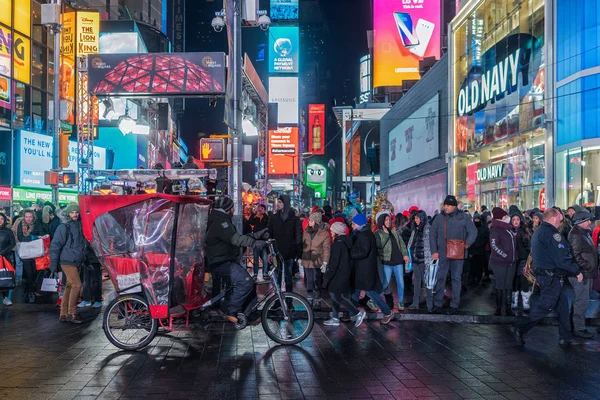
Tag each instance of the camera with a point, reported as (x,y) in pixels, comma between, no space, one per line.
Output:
(218,24)
(264,22)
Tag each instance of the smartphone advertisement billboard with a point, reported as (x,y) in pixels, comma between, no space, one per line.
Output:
(316,128)
(405,32)
(283,49)
(284,92)
(283,151)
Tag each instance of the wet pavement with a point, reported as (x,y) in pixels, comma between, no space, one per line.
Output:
(41,358)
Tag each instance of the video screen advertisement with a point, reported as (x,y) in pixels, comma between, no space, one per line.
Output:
(283,151)
(405,32)
(316,128)
(283,49)
(284,9)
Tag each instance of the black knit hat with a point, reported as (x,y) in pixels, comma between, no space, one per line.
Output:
(224,203)
(450,201)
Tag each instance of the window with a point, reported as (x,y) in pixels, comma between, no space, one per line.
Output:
(22,107)
(38,62)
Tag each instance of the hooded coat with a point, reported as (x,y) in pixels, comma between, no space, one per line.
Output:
(316,246)
(338,278)
(365,257)
(285,227)
(503,242)
(418,244)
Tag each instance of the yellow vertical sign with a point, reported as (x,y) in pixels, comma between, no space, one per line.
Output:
(22,58)
(5,12)
(88,32)
(67,65)
(22,16)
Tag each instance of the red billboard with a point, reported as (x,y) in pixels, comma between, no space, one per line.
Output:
(159,74)
(283,151)
(316,128)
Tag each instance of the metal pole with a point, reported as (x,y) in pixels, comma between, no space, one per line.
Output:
(56,29)
(351,150)
(236,149)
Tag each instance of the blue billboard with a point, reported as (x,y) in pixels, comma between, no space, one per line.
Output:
(284,9)
(284,42)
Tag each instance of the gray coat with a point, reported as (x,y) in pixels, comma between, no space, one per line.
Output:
(459,226)
(67,246)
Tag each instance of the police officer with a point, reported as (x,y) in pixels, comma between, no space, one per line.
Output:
(552,262)
(223,251)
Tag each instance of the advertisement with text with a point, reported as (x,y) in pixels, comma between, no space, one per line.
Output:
(283,151)
(283,49)
(316,128)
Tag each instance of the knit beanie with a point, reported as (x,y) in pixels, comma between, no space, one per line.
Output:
(72,207)
(360,220)
(317,217)
(338,228)
(498,213)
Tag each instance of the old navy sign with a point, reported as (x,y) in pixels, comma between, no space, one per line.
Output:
(497,74)
(491,172)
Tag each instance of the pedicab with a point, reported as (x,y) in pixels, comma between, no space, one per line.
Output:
(152,246)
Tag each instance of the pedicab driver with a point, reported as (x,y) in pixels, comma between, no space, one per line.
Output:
(224,250)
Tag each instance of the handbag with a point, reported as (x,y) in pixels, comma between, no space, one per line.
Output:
(408,267)
(431,275)
(30,250)
(51,283)
(455,248)
(7,275)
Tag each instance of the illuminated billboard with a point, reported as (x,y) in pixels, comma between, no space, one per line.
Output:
(67,65)
(22,58)
(284,9)
(284,92)
(365,79)
(284,42)
(283,151)
(165,74)
(22,21)
(316,179)
(405,32)
(5,51)
(316,128)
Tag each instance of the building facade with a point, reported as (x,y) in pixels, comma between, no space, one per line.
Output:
(496,104)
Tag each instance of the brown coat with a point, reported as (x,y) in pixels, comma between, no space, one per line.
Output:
(315,251)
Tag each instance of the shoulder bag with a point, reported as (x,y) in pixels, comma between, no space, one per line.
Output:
(455,248)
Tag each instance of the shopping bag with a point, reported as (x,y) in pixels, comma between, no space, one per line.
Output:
(51,283)
(7,275)
(408,267)
(431,271)
(30,250)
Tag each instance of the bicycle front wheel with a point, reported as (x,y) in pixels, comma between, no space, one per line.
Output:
(293,329)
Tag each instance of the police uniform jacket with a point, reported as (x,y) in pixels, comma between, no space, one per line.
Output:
(551,251)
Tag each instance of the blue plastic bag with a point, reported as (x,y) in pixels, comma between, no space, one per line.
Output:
(408,267)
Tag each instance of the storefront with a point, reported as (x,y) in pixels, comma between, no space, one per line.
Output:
(414,143)
(497,101)
(577,151)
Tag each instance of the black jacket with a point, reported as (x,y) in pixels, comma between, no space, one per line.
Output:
(223,241)
(584,251)
(339,270)
(365,257)
(259,224)
(288,234)
(68,246)
(479,246)
(7,241)
(551,251)
(503,242)
(523,244)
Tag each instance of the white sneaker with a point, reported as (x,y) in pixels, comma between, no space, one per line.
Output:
(332,322)
(7,302)
(359,318)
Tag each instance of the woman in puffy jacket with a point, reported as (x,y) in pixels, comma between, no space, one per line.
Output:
(316,246)
(520,282)
(420,252)
(27,230)
(7,244)
(503,258)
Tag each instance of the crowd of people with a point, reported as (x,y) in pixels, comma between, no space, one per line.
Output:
(68,253)
(353,256)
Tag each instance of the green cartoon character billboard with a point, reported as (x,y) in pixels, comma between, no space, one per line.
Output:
(316,178)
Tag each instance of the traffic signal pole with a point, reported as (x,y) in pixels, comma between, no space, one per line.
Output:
(56,30)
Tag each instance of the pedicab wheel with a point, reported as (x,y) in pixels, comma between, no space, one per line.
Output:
(128,324)
(298,324)
(242,321)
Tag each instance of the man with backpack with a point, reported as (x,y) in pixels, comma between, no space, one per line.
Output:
(68,249)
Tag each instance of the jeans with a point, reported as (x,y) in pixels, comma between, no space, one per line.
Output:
(455,267)
(581,302)
(73,287)
(243,290)
(419,275)
(346,299)
(314,281)
(376,297)
(287,272)
(261,254)
(18,268)
(552,297)
(398,271)
(92,283)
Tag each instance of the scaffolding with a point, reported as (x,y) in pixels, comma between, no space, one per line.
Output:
(85,127)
